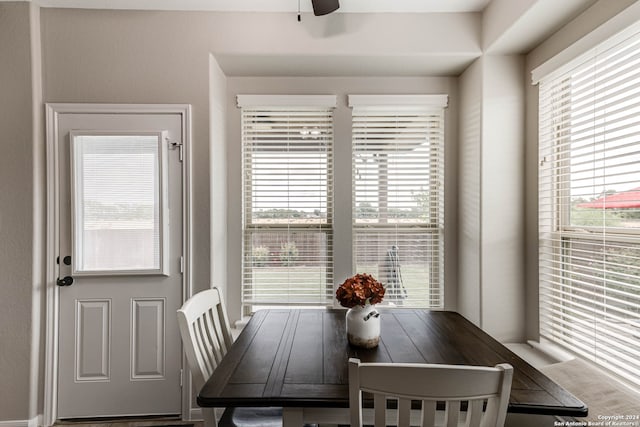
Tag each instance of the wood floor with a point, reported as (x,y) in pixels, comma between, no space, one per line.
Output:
(129,422)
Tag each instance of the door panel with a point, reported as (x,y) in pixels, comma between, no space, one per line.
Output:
(147,338)
(119,345)
(93,351)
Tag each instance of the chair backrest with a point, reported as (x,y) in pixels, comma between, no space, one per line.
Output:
(204,328)
(431,384)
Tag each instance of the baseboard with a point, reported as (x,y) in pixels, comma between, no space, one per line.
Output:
(16,423)
(533,355)
(36,421)
(195,414)
(553,350)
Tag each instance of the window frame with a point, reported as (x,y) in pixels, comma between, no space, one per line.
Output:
(162,204)
(587,301)
(320,104)
(434,225)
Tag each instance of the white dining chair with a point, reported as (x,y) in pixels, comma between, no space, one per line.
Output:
(204,328)
(485,390)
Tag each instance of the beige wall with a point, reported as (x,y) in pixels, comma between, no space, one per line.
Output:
(20,213)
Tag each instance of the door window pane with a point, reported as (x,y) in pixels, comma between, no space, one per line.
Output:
(118,203)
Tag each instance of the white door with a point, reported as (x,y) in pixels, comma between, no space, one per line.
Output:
(120,264)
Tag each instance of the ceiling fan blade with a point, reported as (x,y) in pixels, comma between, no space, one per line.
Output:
(323,7)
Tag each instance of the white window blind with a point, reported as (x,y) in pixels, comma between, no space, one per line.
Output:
(119,201)
(398,189)
(287,205)
(589,207)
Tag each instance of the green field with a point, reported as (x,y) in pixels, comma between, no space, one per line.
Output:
(307,283)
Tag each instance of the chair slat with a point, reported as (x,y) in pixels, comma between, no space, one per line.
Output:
(474,413)
(380,415)
(204,329)
(217,328)
(404,412)
(428,413)
(202,347)
(211,344)
(199,339)
(452,413)
(209,321)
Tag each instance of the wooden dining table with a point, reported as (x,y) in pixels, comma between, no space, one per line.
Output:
(298,359)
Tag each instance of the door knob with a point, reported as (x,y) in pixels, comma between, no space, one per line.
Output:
(65,281)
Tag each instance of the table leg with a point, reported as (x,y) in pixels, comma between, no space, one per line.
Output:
(292,417)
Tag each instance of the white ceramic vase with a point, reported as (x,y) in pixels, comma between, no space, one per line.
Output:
(363,326)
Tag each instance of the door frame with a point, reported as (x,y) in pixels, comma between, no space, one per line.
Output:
(52,297)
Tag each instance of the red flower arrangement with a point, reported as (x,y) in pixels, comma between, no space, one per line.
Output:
(359,290)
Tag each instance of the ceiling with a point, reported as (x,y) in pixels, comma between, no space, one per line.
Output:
(346,6)
(364,37)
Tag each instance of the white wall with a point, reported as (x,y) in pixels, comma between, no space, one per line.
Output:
(351,44)
(502,195)
(218,167)
(469,193)
(499,16)
(340,86)
(491,196)
(515,27)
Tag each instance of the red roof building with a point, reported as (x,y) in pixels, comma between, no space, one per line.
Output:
(621,200)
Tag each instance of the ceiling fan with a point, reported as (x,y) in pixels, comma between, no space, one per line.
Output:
(324,7)
(321,7)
